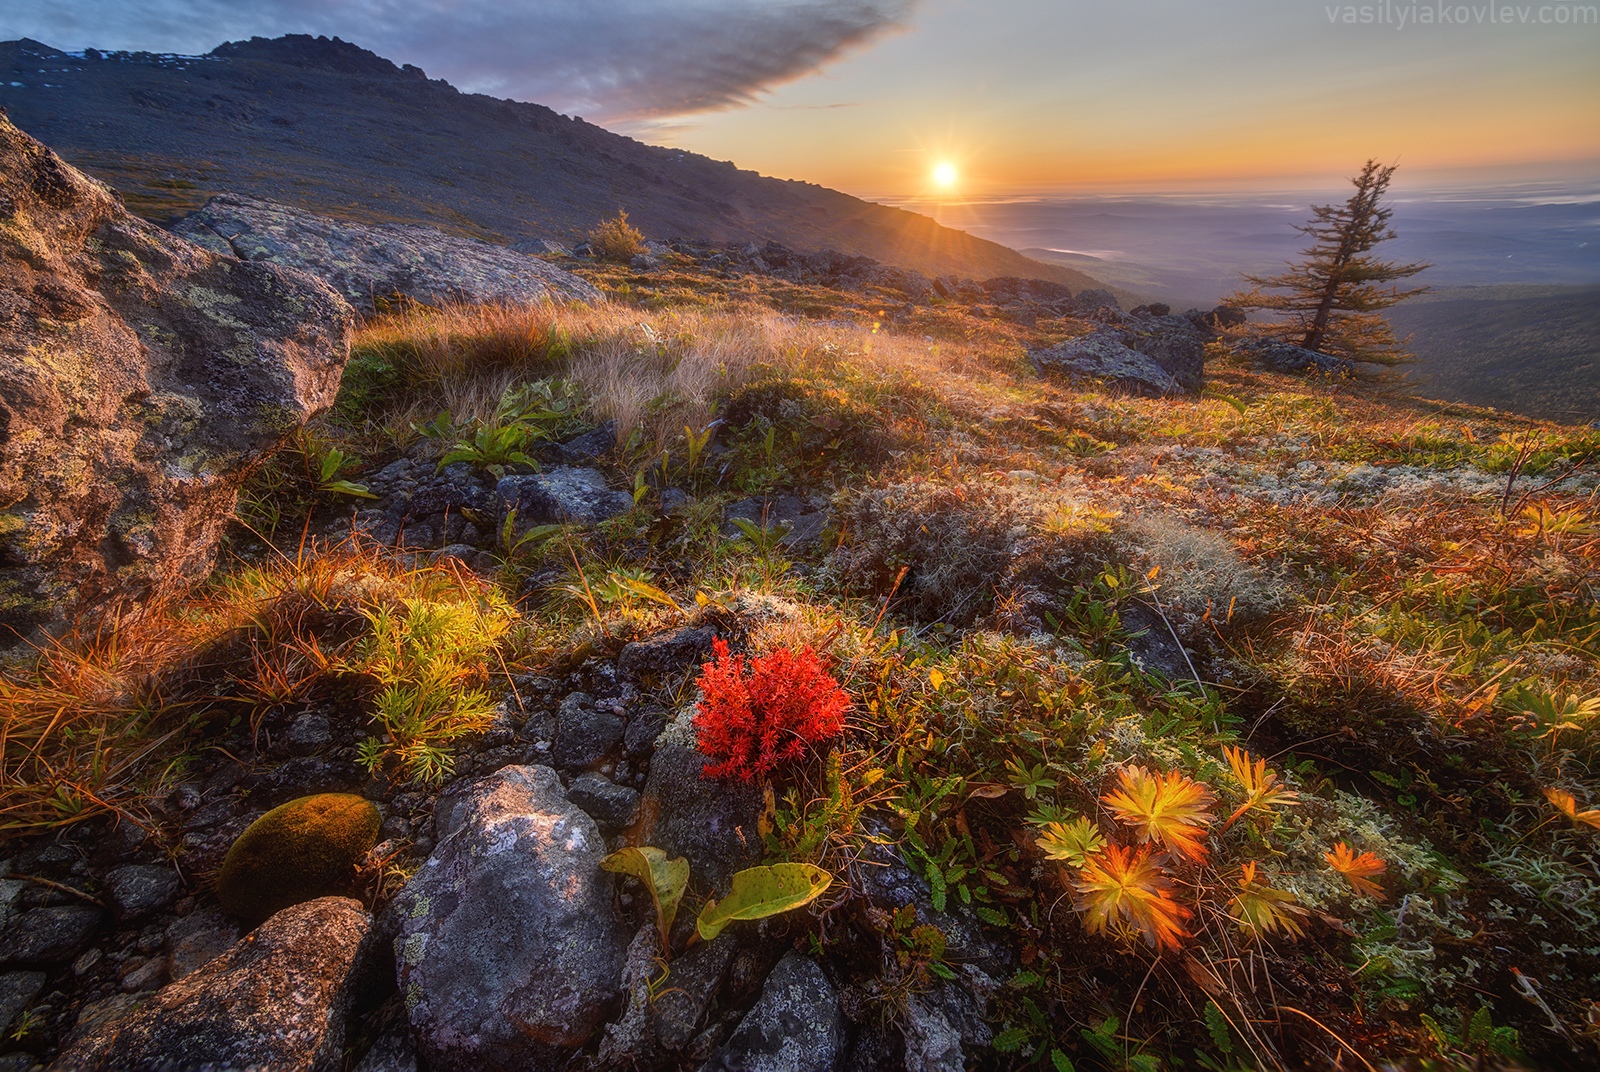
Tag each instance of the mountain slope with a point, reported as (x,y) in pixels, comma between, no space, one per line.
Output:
(335,128)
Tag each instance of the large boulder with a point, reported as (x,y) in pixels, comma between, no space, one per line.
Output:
(562,494)
(141,377)
(366,262)
(279,999)
(1102,355)
(508,951)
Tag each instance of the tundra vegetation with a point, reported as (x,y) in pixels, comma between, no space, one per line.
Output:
(1258,726)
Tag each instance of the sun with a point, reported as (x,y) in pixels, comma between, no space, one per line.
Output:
(944,174)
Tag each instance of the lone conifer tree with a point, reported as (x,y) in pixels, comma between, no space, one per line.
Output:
(1329,302)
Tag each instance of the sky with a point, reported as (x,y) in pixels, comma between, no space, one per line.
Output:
(1016,98)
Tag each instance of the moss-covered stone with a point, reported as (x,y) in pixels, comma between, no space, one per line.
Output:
(299,850)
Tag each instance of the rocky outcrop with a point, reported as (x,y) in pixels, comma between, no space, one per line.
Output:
(1275,355)
(508,953)
(140,379)
(563,494)
(1148,351)
(1102,355)
(367,263)
(277,1000)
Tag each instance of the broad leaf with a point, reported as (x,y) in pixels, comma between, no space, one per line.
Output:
(666,879)
(759,892)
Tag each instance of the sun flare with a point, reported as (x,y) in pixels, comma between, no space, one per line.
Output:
(944,175)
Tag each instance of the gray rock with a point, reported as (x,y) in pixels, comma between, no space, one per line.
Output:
(800,520)
(136,890)
(310,733)
(562,494)
(943,1026)
(1277,356)
(48,935)
(584,734)
(611,805)
(1102,355)
(16,990)
(1173,342)
(586,448)
(710,822)
(666,653)
(141,378)
(393,1052)
(508,951)
(366,262)
(276,1000)
(1086,302)
(696,975)
(97,1014)
(794,1027)
(644,726)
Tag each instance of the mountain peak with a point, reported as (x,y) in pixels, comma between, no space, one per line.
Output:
(315,53)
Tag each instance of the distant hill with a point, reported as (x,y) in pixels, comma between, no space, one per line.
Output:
(1533,350)
(335,128)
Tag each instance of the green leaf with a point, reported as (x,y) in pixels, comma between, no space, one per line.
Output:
(646,590)
(666,879)
(1217,1024)
(1010,1040)
(759,892)
(345,487)
(1061,1062)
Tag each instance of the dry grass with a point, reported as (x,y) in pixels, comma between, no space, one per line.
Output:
(102,720)
(651,370)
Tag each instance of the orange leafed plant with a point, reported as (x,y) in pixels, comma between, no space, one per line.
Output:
(1262,787)
(1357,869)
(1121,890)
(1168,808)
(1567,805)
(1259,909)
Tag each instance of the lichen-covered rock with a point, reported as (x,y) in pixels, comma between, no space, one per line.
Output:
(52,935)
(296,851)
(136,890)
(1102,355)
(277,1000)
(366,262)
(562,494)
(140,379)
(508,951)
(795,1026)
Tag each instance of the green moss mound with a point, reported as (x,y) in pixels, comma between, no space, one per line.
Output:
(299,850)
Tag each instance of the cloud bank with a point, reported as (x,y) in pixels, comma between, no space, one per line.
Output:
(614,60)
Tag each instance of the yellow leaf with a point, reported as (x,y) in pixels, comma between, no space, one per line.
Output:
(1261,786)
(1170,809)
(1259,909)
(1356,869)
(936,679)
(1073,842)
(758,892)
(665,879)
(1120,888)
(1567,805)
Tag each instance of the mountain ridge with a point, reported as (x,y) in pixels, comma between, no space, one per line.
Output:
(337,129)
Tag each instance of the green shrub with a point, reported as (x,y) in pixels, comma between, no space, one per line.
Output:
(303,849)
(965,546)
(615,239)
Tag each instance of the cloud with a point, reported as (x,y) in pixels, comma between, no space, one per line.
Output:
(612,60)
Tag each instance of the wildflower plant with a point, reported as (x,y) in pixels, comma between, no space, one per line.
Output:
(762,712)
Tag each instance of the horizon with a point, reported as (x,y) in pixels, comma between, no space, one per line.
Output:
(873,97)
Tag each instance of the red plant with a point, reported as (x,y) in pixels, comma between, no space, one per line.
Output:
(755,717)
